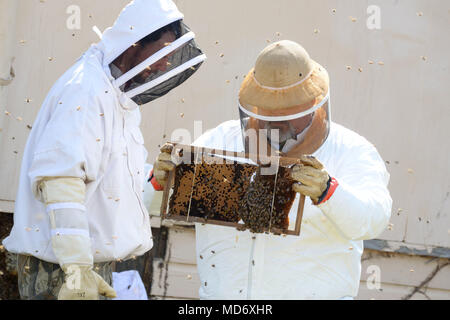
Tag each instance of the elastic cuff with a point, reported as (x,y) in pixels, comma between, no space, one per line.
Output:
(332,185)
(67,231)
(155,183)
(65,205)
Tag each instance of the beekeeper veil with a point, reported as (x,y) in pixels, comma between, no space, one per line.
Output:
(285,99)
(163,51)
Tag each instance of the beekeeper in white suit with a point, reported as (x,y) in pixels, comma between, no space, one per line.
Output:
(343,176)
(80,194)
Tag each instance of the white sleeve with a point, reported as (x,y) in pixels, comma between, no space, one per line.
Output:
(72,141)
(361,205)
(68,155)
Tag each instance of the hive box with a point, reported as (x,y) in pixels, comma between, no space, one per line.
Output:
(238,190)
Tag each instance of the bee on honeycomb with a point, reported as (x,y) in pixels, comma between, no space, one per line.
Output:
(232,192)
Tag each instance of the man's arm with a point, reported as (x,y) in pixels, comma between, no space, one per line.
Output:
(67,157)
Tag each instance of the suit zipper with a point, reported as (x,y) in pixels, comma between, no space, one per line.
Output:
(129,169)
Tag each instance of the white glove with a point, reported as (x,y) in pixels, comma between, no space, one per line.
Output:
(82,283)
(72,248)
(163,164)
(71,243)
(312,177)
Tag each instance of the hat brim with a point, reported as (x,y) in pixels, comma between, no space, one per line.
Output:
(286,100)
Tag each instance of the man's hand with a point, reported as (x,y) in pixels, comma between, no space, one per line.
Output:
(82,283)
(163,164)
(311,176)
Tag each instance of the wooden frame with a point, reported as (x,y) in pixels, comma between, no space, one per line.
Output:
(197,155)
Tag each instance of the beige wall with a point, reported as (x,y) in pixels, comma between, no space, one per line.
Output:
(401,106)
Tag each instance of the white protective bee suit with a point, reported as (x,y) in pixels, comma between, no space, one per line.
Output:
(324,262)
(88,130)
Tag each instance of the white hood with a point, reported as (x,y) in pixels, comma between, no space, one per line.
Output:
(136,21)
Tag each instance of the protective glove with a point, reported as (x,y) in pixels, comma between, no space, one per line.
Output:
(313,180)
(163,165)
(70,239)
(82,283)
(72,248)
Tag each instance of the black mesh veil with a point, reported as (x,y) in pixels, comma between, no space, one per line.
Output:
(182,61)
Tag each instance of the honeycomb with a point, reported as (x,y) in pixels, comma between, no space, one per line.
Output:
(233,192)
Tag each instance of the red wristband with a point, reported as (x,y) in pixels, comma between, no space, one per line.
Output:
(333,185)
(155,183)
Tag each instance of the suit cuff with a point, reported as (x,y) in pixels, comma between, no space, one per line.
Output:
(155,183)
(62,190)
(331,188)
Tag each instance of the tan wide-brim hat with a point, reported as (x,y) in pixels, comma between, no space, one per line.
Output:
(284,81)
